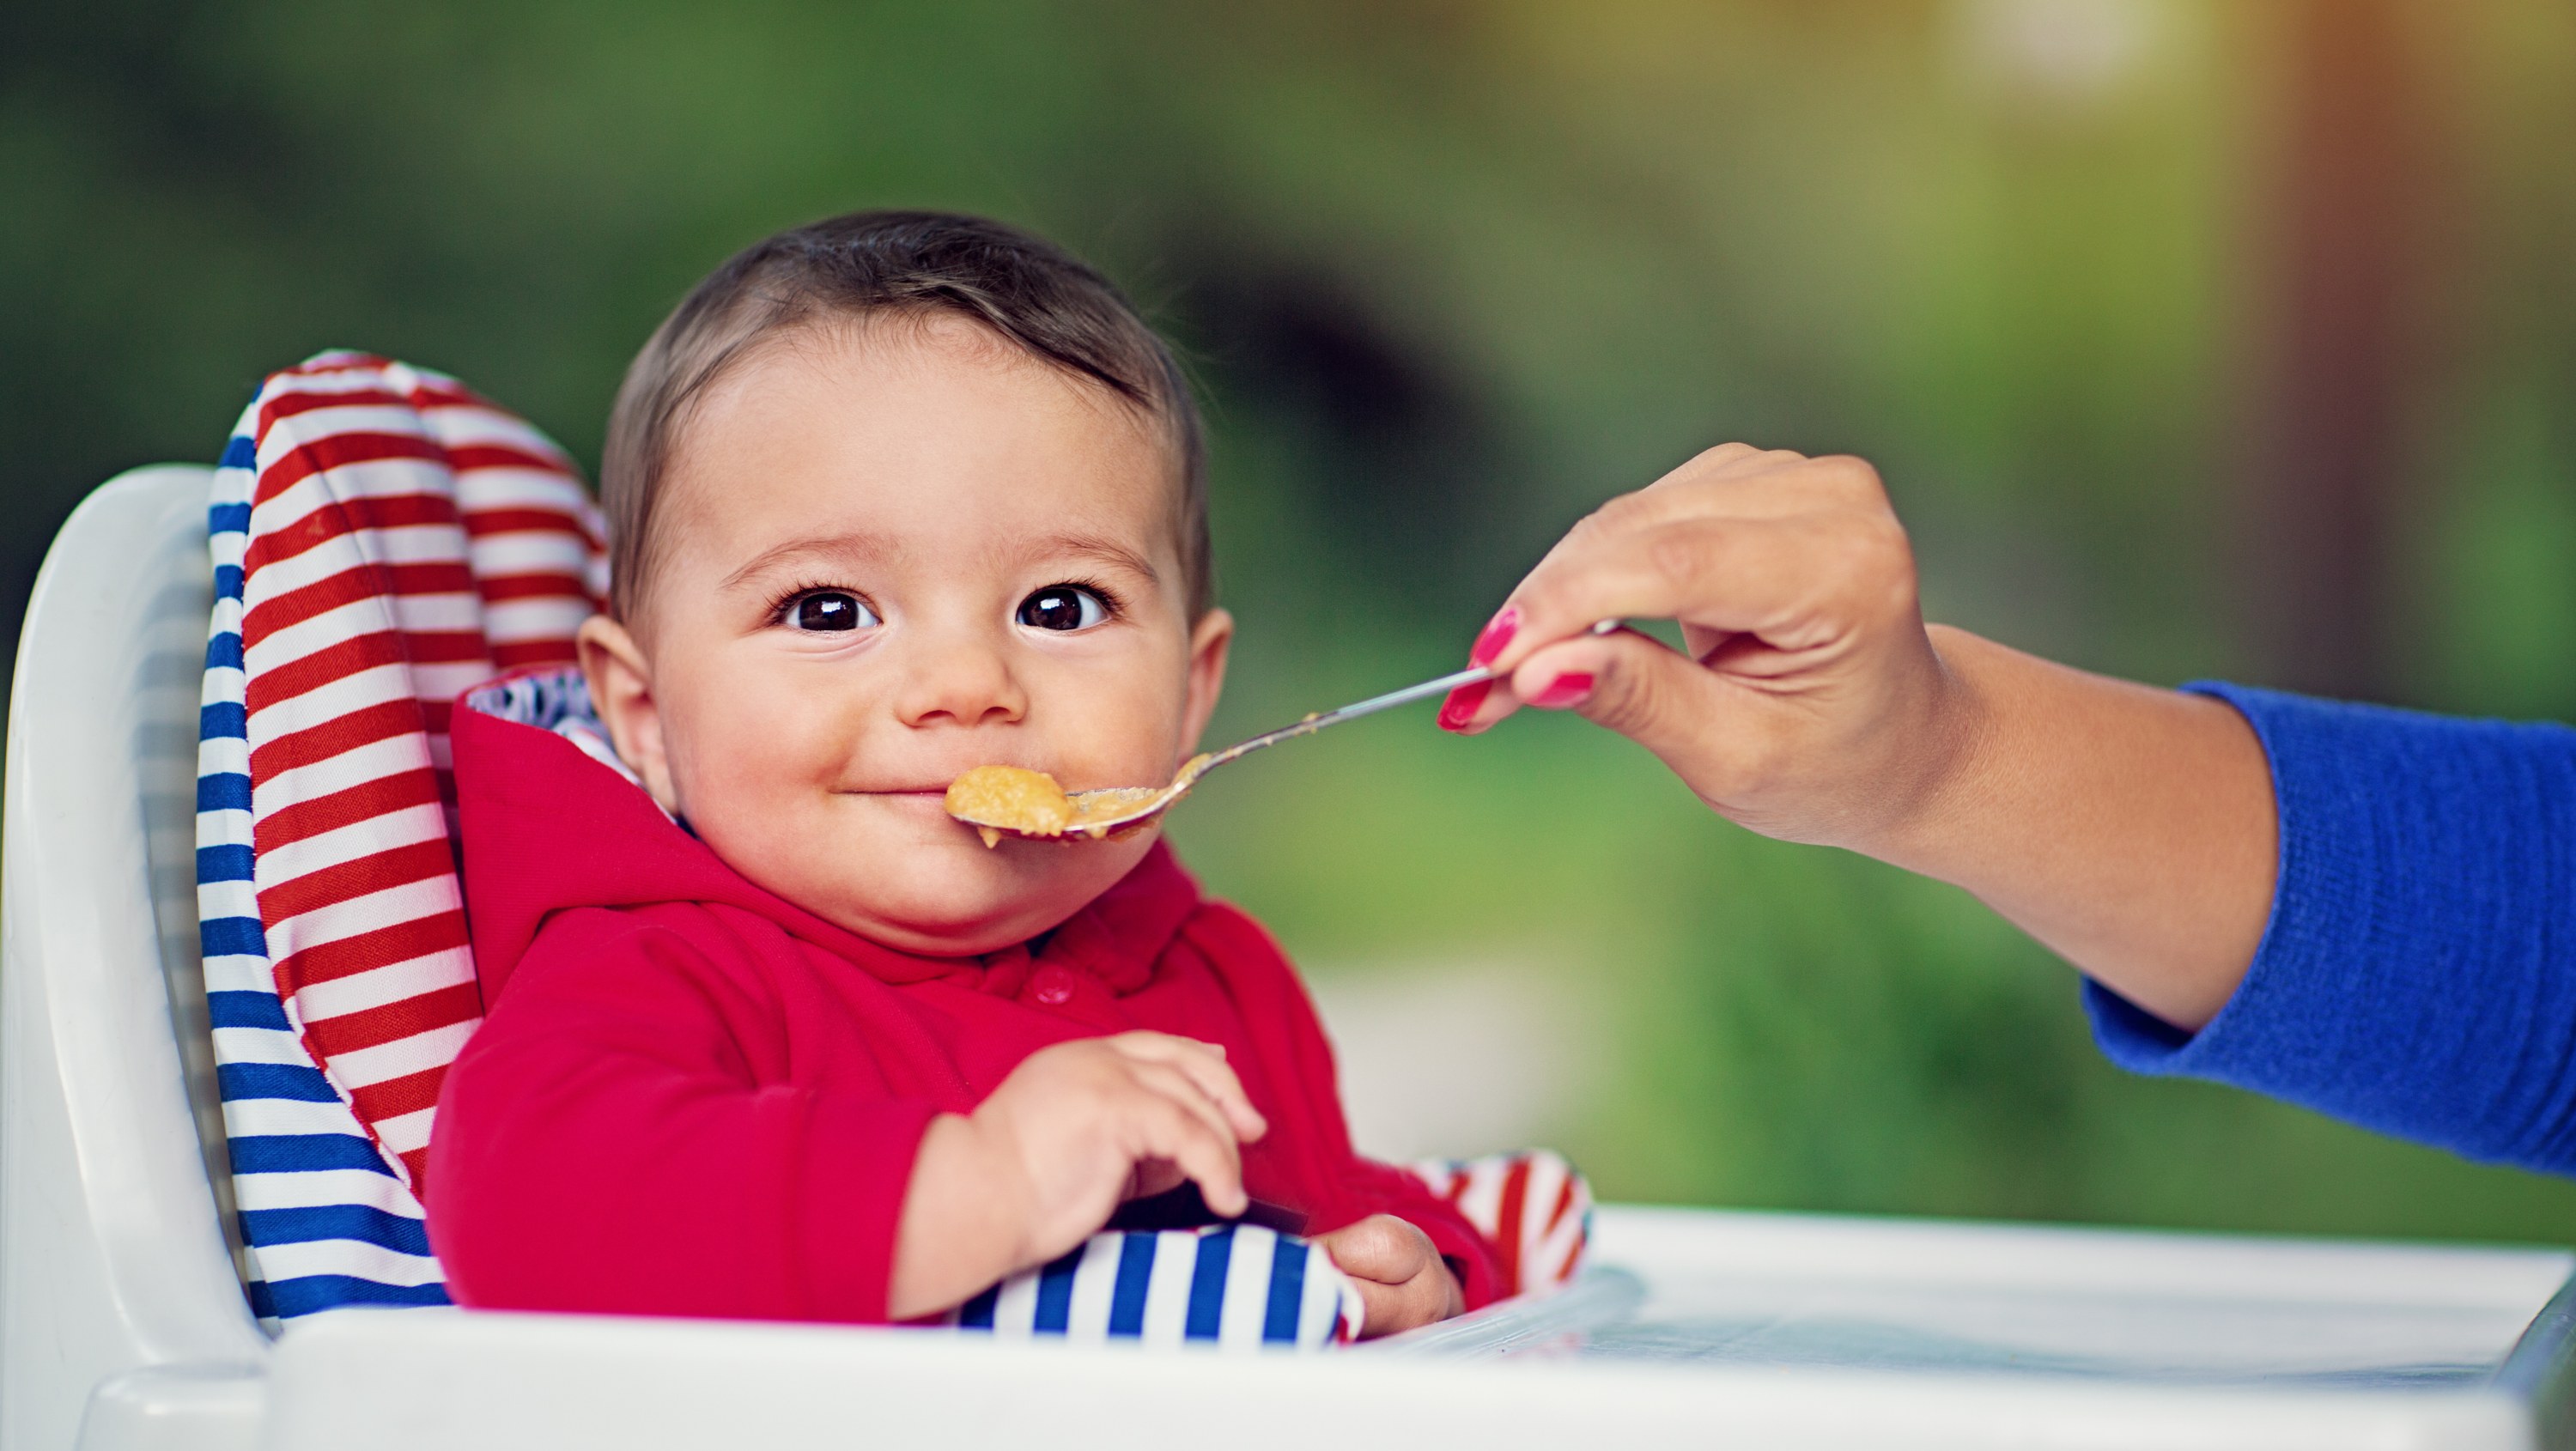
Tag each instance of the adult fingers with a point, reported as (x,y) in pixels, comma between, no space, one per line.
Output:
(1645,690)
(1708,565)
(1658,697)
(1757,481)
(1727,574)
(1557,677)
(1764,576)
(1742,481)
(1205,1065)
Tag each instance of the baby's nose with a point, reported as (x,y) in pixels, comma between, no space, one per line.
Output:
(960,682)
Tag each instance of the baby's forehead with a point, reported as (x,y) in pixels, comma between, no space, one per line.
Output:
(917,383)
(963,451)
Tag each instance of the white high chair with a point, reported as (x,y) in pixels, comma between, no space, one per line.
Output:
(123,1325)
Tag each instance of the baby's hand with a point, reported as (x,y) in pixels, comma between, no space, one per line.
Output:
(1081,1126)
(1402,1280)
(1039,1168)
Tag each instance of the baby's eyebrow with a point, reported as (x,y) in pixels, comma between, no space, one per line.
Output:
(814,549)
(1098,547)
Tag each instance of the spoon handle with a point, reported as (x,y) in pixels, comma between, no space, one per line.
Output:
(1371,706)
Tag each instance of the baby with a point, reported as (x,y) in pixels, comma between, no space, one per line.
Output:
(890,496)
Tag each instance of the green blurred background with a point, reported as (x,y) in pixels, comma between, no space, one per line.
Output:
(2193,338)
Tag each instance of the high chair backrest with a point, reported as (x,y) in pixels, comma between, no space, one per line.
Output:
(382,539)
(114,1258)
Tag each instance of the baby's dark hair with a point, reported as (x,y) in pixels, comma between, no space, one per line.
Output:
(1033,294)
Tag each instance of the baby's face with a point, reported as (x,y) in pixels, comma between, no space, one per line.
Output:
(889,553)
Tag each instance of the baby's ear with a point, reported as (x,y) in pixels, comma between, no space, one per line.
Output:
(1210,639)
(621,692)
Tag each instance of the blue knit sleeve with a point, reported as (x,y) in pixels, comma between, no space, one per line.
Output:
(2418,975)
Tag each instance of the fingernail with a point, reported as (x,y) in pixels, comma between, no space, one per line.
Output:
(1462,704)
(1498,634)
(1564,690)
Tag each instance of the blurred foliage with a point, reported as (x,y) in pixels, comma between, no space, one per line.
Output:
(1451,273)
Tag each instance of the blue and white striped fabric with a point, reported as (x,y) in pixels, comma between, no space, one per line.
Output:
(1232,1287)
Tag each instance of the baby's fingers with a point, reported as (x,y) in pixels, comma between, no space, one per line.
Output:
(1204,1064)
(1205,1153)
(1169,1083)
(1390,1309)
(1381,1307)
(1381,1248)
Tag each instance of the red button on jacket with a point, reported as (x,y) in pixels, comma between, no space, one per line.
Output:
(1052,986)
(691,1097)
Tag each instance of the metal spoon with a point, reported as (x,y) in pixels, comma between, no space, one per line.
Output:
(1098,813)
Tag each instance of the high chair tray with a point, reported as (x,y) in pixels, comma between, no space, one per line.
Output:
(1696,1328)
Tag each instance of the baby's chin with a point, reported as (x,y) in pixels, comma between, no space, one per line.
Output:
(945,897)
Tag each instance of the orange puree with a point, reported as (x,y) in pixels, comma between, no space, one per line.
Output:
(1091,806)
(998,798)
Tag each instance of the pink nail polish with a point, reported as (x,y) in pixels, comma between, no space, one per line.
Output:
(1462,703)
(1498,634)
(1567,689)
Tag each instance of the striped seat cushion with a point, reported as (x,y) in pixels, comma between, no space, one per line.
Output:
(1242,1286)
(1232,1287)
(382,539)
(1530,1203)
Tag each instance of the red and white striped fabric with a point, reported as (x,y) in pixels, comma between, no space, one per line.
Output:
(1530,1203)
(406,540)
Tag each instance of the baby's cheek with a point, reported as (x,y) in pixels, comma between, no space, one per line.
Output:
(755,802)
(1139,744)
(742,742)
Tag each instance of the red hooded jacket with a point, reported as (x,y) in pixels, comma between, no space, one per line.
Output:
(691,1097)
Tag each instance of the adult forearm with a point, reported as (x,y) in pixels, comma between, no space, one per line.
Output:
(2130,829)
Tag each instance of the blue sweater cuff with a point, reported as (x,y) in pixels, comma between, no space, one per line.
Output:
(2418,973)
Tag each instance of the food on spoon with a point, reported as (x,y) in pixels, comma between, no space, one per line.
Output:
(995,799)
(1092,808)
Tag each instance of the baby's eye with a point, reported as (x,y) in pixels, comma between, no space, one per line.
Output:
(827,609)
(1063,607)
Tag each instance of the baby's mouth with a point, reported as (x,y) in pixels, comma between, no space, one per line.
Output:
(936,788)
(922,805)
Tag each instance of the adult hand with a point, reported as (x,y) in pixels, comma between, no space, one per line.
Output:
(2130,829)
(1810,704)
